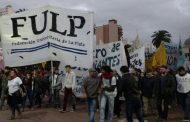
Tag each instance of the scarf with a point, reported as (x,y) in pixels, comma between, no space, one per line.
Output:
(107,75)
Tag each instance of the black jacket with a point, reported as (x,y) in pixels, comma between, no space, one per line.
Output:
(148,86)
(129,86)
(170,86)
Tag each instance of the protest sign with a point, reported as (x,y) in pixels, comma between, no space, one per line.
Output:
(48,33)
(137,58)
(171,54)
(111,54)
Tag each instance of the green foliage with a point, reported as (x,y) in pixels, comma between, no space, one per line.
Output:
(159,36)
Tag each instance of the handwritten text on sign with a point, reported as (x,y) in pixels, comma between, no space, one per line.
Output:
(172,54)
(137,58)
(111,54)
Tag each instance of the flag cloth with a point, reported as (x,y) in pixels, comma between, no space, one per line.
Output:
(44,64)
(149,63)
(158,59)
(160,56)
(181,58)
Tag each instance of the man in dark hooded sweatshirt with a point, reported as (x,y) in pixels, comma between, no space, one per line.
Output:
(129,86)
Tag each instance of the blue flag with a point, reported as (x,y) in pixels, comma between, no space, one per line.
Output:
(181,58)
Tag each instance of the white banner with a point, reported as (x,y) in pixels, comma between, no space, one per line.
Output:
(48,33)
(137,58)
(111,54)
(1,59)
(172,54)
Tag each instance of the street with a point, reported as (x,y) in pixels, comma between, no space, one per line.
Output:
(45,114)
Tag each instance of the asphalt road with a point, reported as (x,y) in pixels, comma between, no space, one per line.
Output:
(50,114)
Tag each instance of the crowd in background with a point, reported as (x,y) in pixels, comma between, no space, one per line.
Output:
(146,93)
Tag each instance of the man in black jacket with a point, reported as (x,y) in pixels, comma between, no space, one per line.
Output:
(147,87)
(164,88)
(129,85)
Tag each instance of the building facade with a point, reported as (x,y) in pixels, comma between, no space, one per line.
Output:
(109,33)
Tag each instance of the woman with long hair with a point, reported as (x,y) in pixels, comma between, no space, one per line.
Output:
(14,95)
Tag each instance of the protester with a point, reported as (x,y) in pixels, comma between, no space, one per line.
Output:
(54,91)
(164,88)
(117,101)
(4,83)
(129,86)
(61,92)
(108,86)
(147,87)
(38,85)
(108,93)
(98,70)
(14,97)
(183,89)
(69,85)
(46,84)
(1,75)
(28,83)
(140,75)
(91,87)
(58,79)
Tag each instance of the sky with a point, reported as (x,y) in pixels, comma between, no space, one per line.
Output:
(141,17)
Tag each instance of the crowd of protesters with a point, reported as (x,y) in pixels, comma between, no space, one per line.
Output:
(20,89)
(149,93)
(145,94)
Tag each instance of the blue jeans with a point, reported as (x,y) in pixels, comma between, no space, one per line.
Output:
(30,97)
(134,106)
(91,108)
(103,100)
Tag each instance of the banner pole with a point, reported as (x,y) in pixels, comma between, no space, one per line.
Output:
(52,76)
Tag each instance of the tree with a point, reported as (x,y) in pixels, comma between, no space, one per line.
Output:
(159,36)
